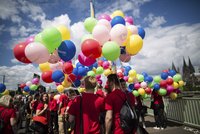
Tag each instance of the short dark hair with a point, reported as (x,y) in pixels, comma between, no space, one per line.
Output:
(113,78)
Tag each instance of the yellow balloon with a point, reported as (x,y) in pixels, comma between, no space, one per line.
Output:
(107,72)
(141,91)
(66,84)
(65,32)
(6,92)
(130,80)
(60,88)
(175,85)
(81,90)
(181,83)
(126,42)
(117,13)
(25,93)
(173,95)
(45,67)
(132,73)
(135,44)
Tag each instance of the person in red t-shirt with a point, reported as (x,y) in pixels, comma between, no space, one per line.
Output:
(91,106)
(53,108)
(61,112)
(8,114)
(158,108)
(34,103)
(42,110)
(113,105)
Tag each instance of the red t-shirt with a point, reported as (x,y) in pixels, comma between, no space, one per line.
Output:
(53,105)
(114,102)
(41,107)
(157,98)
(92,105)
(6,115)
(100,93)
(64,99)
(34,105)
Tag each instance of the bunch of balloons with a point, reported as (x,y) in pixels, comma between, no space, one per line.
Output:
(3,90)
(114,36)
(30,86)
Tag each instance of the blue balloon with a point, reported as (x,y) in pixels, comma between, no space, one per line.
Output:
(76,83)
(2,87)
(127,68)
(103,59)
(75,71)
(164,75)
(144,74)
(66,50)
(148,79)
(172,73)
(141,32)
(95,65)
(117,20)
(82,71)
(130,87)
(156,87)
(58,76)
(26,89)
(125,73)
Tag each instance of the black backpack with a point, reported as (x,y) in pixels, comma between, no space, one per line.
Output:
(128,117)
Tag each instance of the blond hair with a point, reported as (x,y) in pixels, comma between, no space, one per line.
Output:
(90,82)
(5,100)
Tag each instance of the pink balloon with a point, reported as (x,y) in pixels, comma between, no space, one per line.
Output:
(129,19)
(57,66)
(28,83)
(105,64)
(30,39)
(98,77)
(137,85)
(54,58)
(118,33)
(126,78)
(101,34)
(100,82)
(86,61)
(35,81)
(104,16)
(133,28)
(105,23)
(37,53)
(125,57)
(170,89)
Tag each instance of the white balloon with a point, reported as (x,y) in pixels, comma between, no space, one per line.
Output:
(119,33)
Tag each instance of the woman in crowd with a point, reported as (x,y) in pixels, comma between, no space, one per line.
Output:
(7,115)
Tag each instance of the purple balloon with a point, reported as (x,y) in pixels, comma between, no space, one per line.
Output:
(104,16)
(86,61)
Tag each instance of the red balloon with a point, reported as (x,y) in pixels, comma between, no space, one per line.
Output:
(120,74)
(19,52)
(67,68)
(148,90)
(46,76)
(71,78)
(100,63)
(163,83)
(91,48)
(170,81)
(22,85)
(166,71)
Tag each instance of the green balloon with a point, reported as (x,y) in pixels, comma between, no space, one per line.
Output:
(135,93)
(90,23)
(33,87)
(177,77)
(140,78)
(99,70)
(111,50)
(157,79)
(87,36)
(90,73)
(151,85)
(162,92)
(38,38)
(144,96)
(52,38)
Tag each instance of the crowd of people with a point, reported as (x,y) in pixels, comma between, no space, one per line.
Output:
(95,111)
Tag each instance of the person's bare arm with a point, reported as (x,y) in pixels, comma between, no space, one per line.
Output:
(40,112)
(13,121)
(108,121)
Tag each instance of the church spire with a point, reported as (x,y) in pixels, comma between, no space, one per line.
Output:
(191,66)
(173,67)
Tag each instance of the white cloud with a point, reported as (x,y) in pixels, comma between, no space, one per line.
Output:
(17,74)
(165,45)
(154,21)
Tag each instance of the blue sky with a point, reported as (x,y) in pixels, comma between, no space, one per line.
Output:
(172,29)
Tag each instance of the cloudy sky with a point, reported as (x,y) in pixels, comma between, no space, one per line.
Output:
(172,30)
